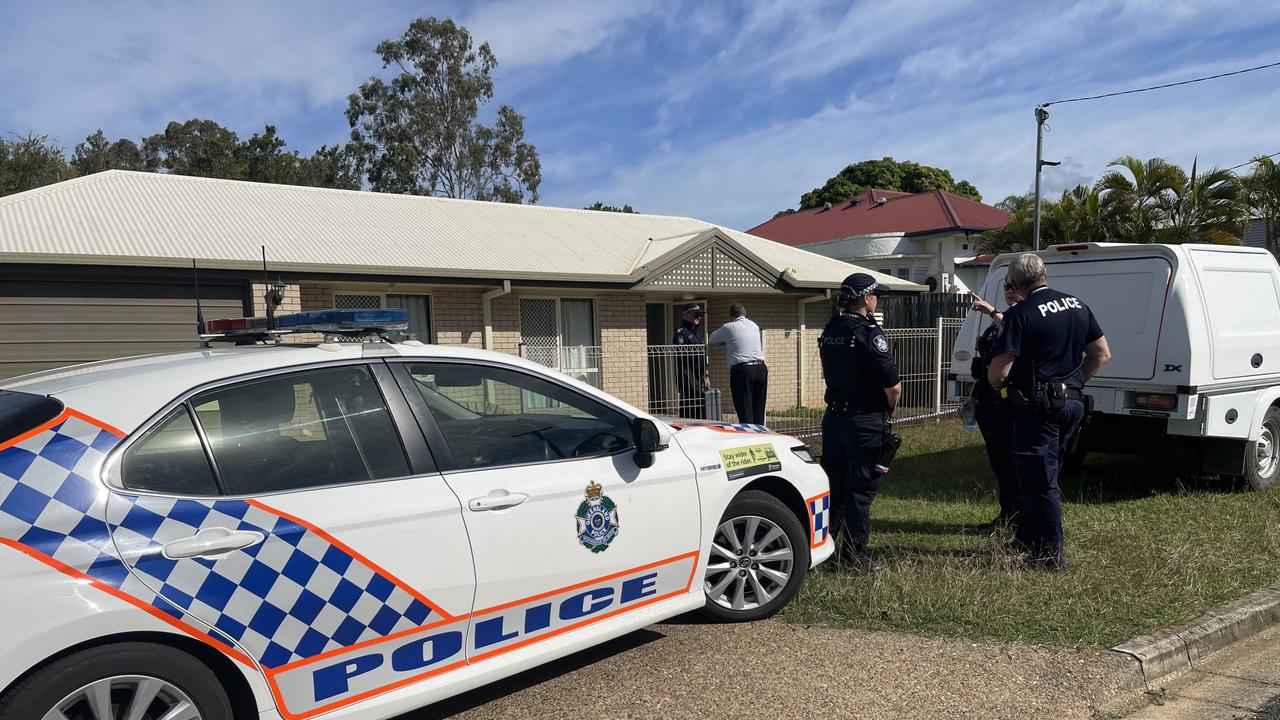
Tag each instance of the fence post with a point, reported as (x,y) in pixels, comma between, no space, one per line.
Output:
(937,369)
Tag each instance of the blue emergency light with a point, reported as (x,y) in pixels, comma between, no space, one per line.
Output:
(344,320)
(352,322)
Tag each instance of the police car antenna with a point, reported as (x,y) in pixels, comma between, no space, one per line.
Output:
(195,274)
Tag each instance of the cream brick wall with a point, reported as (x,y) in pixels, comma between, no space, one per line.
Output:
(455,311)
(624,363)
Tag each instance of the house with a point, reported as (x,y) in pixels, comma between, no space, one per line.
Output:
(101,266)
(914,236)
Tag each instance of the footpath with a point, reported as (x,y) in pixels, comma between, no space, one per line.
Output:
(684,669)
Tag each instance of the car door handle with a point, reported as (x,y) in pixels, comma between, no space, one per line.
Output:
(496,500)
(212,541)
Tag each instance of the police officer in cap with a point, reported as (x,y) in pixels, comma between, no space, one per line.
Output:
(862,390)
(1050,347)
(692,379)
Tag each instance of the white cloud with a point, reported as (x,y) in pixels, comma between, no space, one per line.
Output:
(546,32)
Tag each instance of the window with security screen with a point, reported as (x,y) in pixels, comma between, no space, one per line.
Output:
(357,301)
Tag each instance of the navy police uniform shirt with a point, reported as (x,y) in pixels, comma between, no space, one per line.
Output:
(856,363)
(1047,334)
(686,335)
(984,354)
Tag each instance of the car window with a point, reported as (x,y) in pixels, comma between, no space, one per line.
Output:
(493,416)
(169,459)
(307,429)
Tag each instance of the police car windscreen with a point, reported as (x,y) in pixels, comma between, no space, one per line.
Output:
(21,412)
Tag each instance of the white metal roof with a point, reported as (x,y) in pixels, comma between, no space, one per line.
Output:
(151,219)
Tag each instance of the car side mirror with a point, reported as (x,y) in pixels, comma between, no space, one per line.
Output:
(648,440)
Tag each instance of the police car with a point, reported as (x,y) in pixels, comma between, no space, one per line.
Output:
(357,529)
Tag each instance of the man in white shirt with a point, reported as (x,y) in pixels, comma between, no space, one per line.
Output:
(748,375)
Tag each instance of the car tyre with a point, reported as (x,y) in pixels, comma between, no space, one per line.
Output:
(759,559)
(1262,463)
(118,675)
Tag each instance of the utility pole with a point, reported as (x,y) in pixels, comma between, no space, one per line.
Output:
(1041,116)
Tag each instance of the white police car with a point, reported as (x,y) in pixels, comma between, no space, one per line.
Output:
(360,529)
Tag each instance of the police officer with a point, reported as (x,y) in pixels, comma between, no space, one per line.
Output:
(1050,347)
(994,416)
(692,379)
(862,390)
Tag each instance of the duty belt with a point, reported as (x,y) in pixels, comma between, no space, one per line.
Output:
(844,407)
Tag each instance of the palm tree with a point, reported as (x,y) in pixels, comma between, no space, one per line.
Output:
(1084,219)
(1207,208)
(1131,203)
(1263,190)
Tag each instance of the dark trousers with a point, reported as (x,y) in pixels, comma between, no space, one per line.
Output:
(693,403)
(749,384)
(995,421)
(1040,440)
(850,446)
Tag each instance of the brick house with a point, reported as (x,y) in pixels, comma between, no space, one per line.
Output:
(100,267)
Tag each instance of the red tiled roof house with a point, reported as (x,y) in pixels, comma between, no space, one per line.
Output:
(926,237)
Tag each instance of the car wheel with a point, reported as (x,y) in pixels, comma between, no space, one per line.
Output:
(1262,464)
(759,558)
(143,681)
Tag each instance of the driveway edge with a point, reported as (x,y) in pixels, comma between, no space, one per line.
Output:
(1183,647)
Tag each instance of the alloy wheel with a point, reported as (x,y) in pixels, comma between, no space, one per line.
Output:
(126,697)
(751,562)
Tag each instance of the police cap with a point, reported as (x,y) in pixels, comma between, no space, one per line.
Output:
(694,308)
(859,284)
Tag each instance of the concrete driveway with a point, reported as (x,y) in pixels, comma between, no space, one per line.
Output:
(686,669)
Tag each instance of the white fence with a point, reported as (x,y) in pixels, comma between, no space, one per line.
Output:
(675,373)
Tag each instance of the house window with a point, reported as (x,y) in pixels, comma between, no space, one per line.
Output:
(561,333)
(357,301)
(419,308)
(904,273)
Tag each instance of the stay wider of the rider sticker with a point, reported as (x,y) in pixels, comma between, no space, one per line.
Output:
(749,460)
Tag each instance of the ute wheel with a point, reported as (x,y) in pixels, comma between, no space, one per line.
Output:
(759,558)
(130,680)
(1262,462)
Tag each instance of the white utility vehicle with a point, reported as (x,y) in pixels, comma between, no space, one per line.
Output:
(359,529)
(1194,332)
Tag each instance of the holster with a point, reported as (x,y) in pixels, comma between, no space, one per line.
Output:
(887,452)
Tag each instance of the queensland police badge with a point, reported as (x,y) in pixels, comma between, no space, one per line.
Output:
(597,520)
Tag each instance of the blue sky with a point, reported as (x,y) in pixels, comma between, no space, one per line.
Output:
(726,111)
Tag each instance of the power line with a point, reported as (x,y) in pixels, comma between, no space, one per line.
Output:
(1166,85)
(1233,167)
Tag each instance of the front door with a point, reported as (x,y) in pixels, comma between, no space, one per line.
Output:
(314,537)
(567,531)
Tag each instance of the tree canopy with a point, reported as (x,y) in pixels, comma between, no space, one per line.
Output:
(597,205)
(418,131)
(30,161)
(886,174)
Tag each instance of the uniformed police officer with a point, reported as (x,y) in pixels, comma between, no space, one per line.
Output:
(995,416)
(1050,347)
(862,390)
(692,379)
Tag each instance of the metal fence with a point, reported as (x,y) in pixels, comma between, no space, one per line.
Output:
(675,372)
(580,362)
(675,380)
(923,356)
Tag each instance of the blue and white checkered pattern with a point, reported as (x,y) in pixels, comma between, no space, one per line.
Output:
(742,427)
(293,596)
(820,509)
(49,504)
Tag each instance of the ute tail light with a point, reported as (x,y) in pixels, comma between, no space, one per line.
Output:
(1154,401)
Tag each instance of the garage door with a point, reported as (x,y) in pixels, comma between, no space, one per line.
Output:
(46,324)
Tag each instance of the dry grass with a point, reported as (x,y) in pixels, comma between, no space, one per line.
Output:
(1146,548)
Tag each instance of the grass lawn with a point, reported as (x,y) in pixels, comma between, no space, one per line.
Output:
(1145,548)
